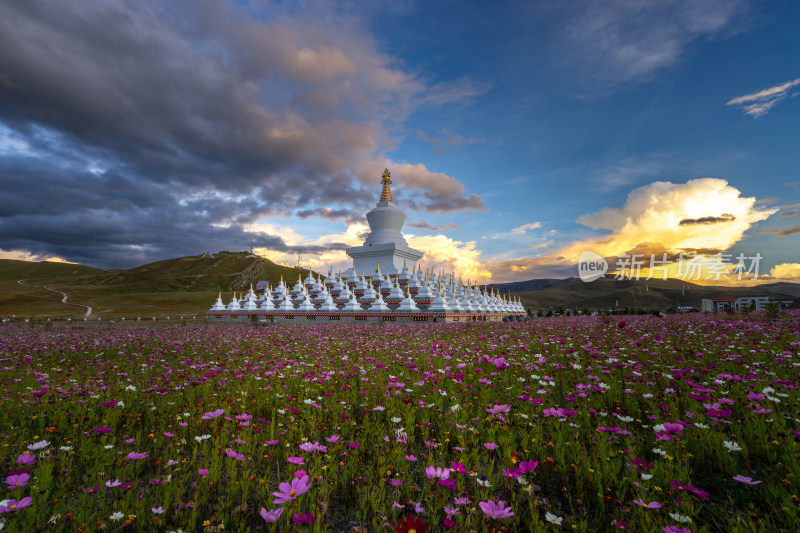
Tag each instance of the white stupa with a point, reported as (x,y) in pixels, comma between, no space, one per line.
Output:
(401,293)
(385,242)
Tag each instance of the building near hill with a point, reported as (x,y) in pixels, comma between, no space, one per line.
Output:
(385,284)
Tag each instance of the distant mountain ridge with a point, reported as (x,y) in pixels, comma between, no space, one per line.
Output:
(604,293)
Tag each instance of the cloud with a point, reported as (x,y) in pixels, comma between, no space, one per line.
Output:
(518,231)
(784,232)
(786,271)
(650,223)
(759,103)
(615,42)
(179,121)
(724,217)
(445,144)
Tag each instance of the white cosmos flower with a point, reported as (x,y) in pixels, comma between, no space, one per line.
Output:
(553,519)
(680,518)
(117,516)
(732,446)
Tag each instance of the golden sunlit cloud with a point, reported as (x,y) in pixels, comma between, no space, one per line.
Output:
(703,216)
(786,271)
(27,256)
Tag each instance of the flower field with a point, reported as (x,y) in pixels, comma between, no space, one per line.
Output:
(685,423)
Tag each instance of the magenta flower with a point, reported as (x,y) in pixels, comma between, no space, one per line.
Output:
(157,510)
(395,482)
(411,458)
(448,484)
(170,463)
(133,456)
(17,481)
(110,404)
(244,416)
(462,500)
(271,443)
(168,434)
(333,439)
(353,445)
(9,506)
(233,455)
(458,468)
(271,516)
(296,460)
(213,414)
(527,466)
(129,441)
(202,471)
(496,510)
(676,529)
(300,474)
(490,445)
(288,492)
(102,430)
(740,479)
(26,459)
(305,518)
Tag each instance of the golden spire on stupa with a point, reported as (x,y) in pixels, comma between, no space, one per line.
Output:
(386,193)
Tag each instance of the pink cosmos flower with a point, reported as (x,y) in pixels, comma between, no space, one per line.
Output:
(490,445)
(10,506)
(740,479)
(313,447)
(38,445)
(333,439)
(353,445)
(499,409)
(437,472)
(17,481)
(26,459)
(300,474)
(168,434)
(157,510)
(244,416)
(170,463)
(271,516)
(463,500)
(496,510)
(411,458)
(111,484)
(202,471)
(676,529)
(651,505)
(133,456)
(296,460)
(213,414)
(395,482)
(271,443)
(288,492)
(129,441)
(103,430)
(233,455)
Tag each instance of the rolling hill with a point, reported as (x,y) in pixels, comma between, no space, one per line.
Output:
(181,286)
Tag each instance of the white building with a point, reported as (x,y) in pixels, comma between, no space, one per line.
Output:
(752,303)
(384,284)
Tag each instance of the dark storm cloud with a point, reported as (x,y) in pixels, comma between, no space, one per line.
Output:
(131,128)
(725,217)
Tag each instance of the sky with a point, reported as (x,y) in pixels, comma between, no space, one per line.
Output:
(518,134)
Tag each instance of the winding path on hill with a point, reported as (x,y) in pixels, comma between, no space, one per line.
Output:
(63,297)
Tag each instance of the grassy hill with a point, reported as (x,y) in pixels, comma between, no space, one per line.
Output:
(173,287)
(608,292)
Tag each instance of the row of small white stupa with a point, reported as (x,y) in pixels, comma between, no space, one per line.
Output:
(403,292)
